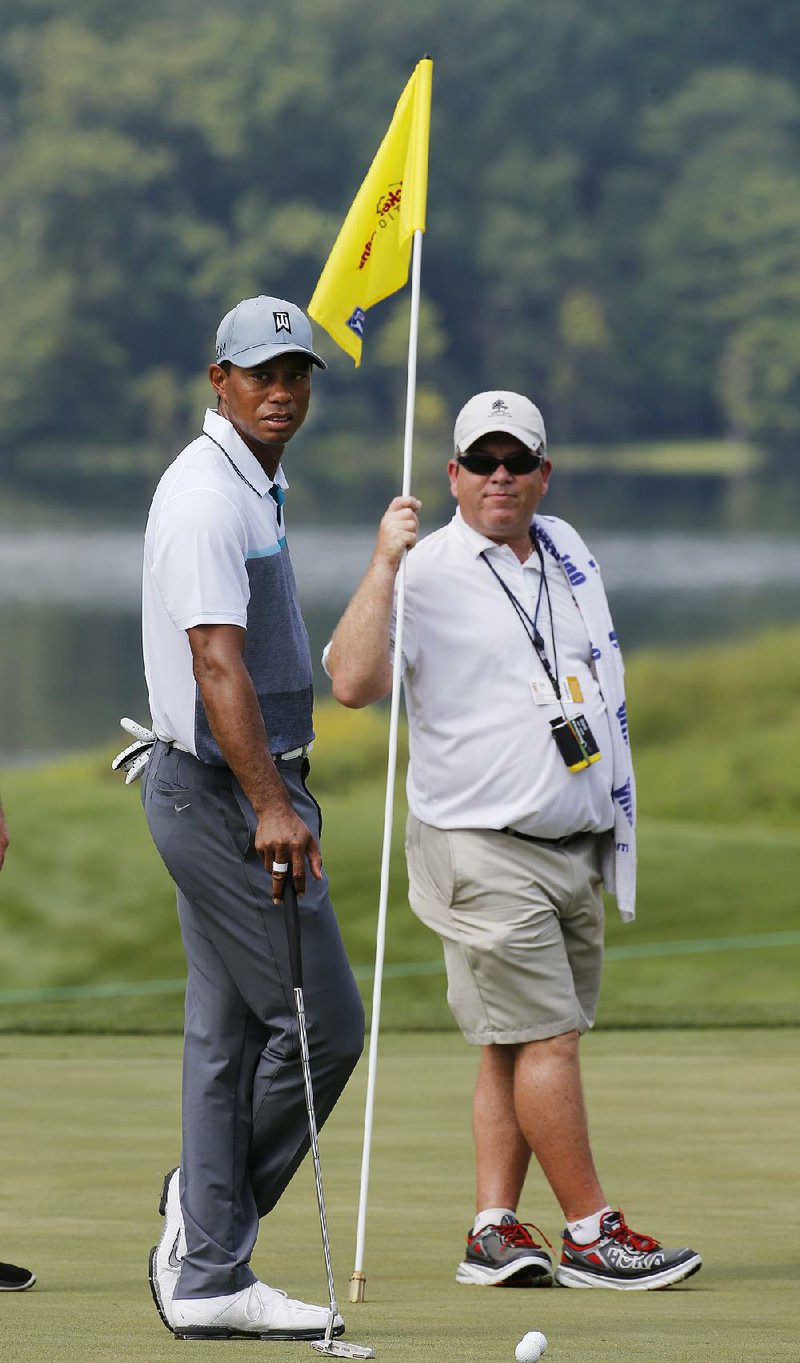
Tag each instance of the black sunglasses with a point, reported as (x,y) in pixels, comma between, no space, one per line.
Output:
(521,461)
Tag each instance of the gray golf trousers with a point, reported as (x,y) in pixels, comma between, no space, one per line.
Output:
(244,1120)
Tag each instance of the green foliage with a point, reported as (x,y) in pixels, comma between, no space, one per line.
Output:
(759,381)
(721,268)
(611,214)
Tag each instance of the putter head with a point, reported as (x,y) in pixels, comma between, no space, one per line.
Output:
(342,1348)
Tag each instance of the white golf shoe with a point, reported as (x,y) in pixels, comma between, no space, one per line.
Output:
(167,1256)
(257,1312)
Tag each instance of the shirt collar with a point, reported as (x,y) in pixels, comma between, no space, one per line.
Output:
(475,542)
(244,461)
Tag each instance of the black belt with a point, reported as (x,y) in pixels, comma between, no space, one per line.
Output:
(548,842)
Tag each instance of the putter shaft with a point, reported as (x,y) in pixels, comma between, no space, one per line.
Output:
(334,1348)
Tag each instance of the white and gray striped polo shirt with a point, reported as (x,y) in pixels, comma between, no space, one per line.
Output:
(215,553)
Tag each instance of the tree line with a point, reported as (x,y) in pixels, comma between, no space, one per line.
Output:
(614,202)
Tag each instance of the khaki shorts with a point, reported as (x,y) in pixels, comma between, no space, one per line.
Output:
(521,924)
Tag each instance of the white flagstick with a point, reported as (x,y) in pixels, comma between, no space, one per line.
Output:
(358,1279)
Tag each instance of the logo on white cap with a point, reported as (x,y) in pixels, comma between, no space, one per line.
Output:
(282,322)
(500,411)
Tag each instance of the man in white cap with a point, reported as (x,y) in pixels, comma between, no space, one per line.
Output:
(224,789)
(521,804)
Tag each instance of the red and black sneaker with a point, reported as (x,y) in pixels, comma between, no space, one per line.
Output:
(505,1256)
(621,1259)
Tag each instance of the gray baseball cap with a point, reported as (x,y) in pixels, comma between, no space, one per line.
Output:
(258,329)
(500,411)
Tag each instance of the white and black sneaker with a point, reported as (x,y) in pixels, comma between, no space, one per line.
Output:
(167,1256)
(257,1312)
(13,1279)
(621,1259)
(505,1255)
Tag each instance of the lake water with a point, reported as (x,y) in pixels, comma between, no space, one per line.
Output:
(70,662)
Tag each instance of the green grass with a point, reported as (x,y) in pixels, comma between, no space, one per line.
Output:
(694,1134)
(86,903)
(715,731)
(689,458)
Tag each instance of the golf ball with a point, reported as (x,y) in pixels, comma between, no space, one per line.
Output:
(531,1347)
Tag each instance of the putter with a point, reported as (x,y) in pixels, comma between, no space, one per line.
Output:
(335,1348)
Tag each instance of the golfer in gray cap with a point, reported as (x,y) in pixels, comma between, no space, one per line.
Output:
(224,790)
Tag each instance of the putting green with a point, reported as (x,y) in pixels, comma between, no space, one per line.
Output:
(695,1134)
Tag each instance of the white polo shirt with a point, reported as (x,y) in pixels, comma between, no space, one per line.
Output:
(215,553)
(482,754)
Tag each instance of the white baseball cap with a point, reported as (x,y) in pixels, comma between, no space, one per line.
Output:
(499,411)
(258,329)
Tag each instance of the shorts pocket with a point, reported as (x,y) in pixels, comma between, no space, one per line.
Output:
(430,862)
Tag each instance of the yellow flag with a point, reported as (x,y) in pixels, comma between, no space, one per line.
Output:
(371,254)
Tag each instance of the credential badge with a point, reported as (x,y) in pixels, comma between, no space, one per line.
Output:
(282,322)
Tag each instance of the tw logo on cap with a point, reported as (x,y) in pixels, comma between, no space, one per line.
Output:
(282,322)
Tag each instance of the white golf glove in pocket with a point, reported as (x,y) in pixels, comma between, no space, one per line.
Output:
(134,759)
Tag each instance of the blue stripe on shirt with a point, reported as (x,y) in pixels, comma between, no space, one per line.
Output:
(270,549)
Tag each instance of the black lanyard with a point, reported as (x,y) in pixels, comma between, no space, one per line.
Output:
(529,625)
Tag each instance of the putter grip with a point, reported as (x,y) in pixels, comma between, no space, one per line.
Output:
(292,916)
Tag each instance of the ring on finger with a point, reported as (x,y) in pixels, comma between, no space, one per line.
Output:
(280,867)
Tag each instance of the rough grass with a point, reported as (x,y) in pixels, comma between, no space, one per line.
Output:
(715,731)
(86,903)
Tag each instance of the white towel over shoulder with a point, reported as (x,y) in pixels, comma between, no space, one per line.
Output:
(565,545)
